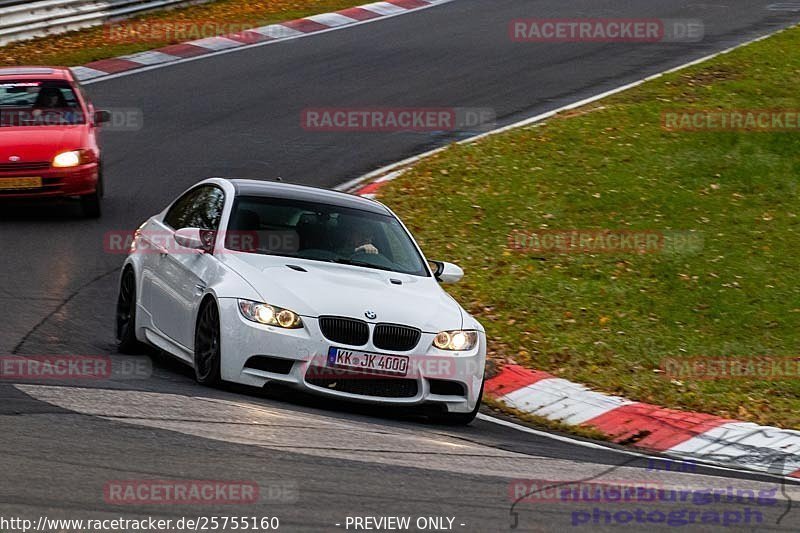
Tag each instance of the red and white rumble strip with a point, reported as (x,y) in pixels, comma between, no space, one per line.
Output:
(271,33)
(680,433)
(371,189)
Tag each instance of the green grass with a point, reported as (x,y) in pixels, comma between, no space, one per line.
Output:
(609,320)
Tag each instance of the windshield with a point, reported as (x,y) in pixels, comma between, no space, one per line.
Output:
(322,232)
(39,103)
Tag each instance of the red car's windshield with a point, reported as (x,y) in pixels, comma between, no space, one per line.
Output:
(39,103)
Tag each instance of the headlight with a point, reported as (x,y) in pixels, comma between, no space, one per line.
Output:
(73,158)
(269,315)
(456,341)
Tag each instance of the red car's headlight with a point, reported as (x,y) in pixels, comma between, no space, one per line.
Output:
(73,158)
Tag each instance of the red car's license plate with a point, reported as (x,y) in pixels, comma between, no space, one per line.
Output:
(20,183)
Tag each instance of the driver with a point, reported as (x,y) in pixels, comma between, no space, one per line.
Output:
(47,102)
(358,239)
(50,98)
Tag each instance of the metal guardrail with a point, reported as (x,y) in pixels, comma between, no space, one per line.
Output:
(4,3)
(25,19)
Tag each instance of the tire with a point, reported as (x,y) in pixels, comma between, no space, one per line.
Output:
(207,346)
(126,315)
(457,419)
(90,203)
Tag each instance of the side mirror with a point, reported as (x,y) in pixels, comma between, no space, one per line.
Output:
(191,238)
(447,272)
(101,117)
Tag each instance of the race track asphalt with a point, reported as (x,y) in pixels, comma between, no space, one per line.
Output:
(238,115)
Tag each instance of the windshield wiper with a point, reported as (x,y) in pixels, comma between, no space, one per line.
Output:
(352,262)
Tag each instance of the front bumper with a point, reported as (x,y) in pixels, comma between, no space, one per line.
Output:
(56,182)
(449,379)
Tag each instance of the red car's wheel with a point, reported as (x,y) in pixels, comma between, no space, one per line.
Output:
(90,204)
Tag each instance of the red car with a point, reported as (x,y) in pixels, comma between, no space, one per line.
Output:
(48,138)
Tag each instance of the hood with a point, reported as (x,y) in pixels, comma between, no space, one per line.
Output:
(40,143)
(344,290)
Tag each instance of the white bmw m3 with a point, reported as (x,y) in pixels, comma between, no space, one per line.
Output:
(255,282)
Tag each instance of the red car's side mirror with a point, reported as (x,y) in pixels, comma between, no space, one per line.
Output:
(101,117)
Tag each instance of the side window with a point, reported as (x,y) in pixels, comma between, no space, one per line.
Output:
(83,96)
(198,208)
(207,209)
(179,211)
(81,91)
(69,97)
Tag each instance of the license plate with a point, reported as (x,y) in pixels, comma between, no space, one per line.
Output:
(394,365)
(20,183)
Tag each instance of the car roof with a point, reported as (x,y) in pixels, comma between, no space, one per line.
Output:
(36,73)
(272,189)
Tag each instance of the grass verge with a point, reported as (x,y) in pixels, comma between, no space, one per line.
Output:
(611,319)
(83,46)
